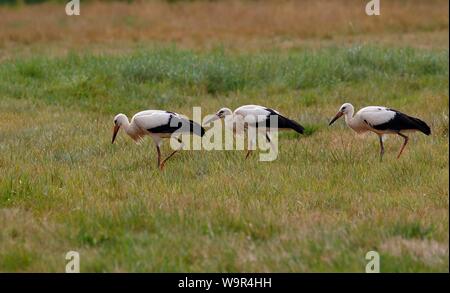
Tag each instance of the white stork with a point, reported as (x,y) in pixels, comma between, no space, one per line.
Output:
(381,120)
(261,117)
(158,124)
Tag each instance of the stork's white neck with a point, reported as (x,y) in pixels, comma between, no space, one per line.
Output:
(131,130)
(349,117)
(125,124)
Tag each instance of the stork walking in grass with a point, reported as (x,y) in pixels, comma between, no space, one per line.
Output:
(381,120)
(258,117)
(158,124)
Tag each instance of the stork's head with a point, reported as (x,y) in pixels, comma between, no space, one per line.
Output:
(343,110)
(119,120)
(219,115)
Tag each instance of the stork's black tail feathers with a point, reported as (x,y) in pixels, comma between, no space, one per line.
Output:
(196,128)
(284,122)
(401,121)
(420,125)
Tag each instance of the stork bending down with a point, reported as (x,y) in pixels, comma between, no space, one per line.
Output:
(158,124)
(260,119)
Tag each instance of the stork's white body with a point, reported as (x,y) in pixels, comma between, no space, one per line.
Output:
(257,116)
(142,121)
(365,118)
(254,110)
(247,116)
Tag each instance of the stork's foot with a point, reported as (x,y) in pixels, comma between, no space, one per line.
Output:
(248,154)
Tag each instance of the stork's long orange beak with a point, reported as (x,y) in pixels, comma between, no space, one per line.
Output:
(339,114)
(116,129)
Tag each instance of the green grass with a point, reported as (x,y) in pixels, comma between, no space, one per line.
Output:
(320,206)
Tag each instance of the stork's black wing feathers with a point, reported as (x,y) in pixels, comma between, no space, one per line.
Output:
(176,123)
(196,128)
(173,124)
(284,122)
(402,121)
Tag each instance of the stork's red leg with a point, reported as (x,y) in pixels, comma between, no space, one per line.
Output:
(159,156)
(382,148)
(161,167)
(404,144)
(165,160)
(248,154)
(249,148)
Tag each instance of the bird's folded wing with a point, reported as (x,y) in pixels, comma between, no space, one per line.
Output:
(153,120)
(377,115)
(254,113)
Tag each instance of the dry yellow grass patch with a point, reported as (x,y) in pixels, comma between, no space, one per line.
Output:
(237,24)
(430,252)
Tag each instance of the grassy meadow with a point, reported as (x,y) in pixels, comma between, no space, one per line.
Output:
(320,207)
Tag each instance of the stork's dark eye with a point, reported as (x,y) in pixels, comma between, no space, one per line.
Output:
(115,121)
(343,108)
